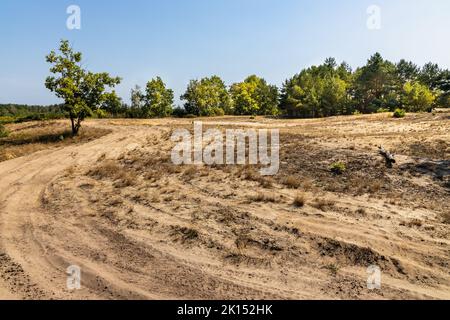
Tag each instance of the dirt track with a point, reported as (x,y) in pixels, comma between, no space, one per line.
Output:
(131,248)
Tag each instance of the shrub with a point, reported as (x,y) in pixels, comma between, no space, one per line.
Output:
(333,268)
(3,132)
(399,113)
(299,200)
(179,112)
(383,110)
(7,119)
(100,114)
(338,168)
(292,182)
(219,112)
(447,218)
(323,204)
(263,197)
(190,173)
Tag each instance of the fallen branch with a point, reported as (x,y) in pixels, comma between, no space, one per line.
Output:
(388,157)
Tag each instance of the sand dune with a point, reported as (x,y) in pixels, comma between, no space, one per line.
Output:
(141,228)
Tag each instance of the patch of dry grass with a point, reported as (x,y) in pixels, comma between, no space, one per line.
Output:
(292,182)
(323,204)
(184,234)
(333,268)
(190,172)
(264,197)
(30,137)
(299,200)
(110,169)
(447,218)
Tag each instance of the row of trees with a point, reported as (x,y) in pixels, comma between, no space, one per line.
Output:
(205,97)
(319,91)
(331,89)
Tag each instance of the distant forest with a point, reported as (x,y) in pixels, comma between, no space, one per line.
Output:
(21,112)
(319,91)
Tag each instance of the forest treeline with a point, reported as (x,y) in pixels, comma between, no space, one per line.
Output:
(21,112)
(319,91)
(325,90)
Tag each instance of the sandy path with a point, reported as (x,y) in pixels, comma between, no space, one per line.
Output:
(35,252)
(28,269)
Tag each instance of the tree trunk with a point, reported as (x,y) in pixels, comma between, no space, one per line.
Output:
(75,126)
(74,130)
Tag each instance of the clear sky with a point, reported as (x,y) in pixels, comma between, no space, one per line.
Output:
(181,40)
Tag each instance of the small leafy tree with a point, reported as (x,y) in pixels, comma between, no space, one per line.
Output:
(417,97)
(207,97)
(83,91)
(318,91)
(137,102)
(112,104)
(244,98)
(254,97)
(158,100)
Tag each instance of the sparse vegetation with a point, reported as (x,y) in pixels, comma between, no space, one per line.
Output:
(446,219)
(3,131)
(110,169)
(190,172)
(292,182)
(323,204)
(30,137)
(333,268)
(299,200)
(338,167)
(413,223)
(184,234)
(264,197)
(226,215)
(399,113)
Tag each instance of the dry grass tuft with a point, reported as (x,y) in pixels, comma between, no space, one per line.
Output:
(113,171)
(299,200)
(264,197)
(184,234)
(323,204)
(447,218)
(107,169)
(413,223)
(292,182)
(190,172)
(266,183)
(333,268)
(30,137)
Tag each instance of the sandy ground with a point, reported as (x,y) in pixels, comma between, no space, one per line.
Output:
(141,228)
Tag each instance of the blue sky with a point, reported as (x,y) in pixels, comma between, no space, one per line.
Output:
(181,40)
